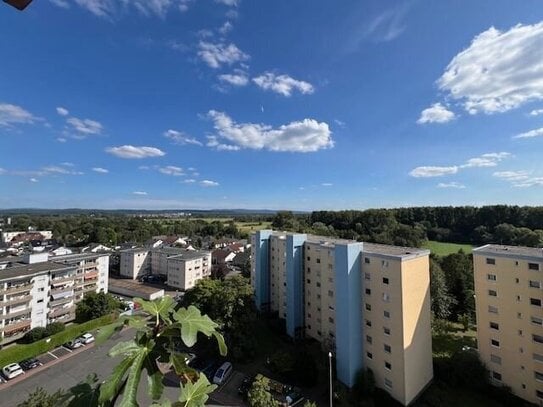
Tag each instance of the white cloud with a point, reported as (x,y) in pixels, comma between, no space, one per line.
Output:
(100,170)
(100,8)
(84,126)
(486,160)
(13,114)
(519,179)
(3,171)
(437,113)
(499,71)
(53,169)
(340,123)
(128,151)
(188,181)
(327,184)
(144,167)
(451,185)
(536,112)
(139,193)
(239,78)
(67,164)
(282,84)
(432,171)
(178,137)
(62,111)
(172,170)
(33,180)
(61,3)
(208,183)
(230,3)
(226,28)
(215,55)
(530,134)
(306,135)
(62,139)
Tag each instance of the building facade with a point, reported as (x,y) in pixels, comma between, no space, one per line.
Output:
(368,303)
(135,263)
(508,298)
(39,291)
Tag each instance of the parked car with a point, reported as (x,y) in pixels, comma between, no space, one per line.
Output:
(86,338)
(30,364)
(76,343)
(223,373)
(12,370)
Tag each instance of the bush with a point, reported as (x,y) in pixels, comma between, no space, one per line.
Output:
(35,334)
(16,353)
(95,305)
(54,328)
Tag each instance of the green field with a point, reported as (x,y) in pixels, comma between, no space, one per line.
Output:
(443,249)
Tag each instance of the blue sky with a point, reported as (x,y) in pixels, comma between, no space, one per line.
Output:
(271,104)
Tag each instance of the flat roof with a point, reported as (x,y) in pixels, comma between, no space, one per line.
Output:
(512,251)
(68,258)
(135,250)
(27,270)
(131,285)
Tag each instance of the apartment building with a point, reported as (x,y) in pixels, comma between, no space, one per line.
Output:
(368,303)
(508,298)
(182,268)
(37,291)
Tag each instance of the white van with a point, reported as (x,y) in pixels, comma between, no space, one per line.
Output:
(222,373)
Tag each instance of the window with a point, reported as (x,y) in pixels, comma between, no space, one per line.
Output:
(308,281)
(492,309)
(369,339)
(495,342)
(309,270)
(520,332)
(497,376)
(368,307)
(490,261)
(535,301)
(309,327)
(318,261)
(388,366)
(368,323)
(368,291)
(539,394)
(369,355)
(538,376)
(330,293)
(491,277)
(538,357)
(385,280)
(386,330)
(518,298)
(537,321)
(367,260)
(533,266)
(495,359)
(388,383)
(308,315)
(331,320)
(493,293)
(308,258)
(495,325)
(537,338)
(535,284)
(517,280)
(386,297)
(519,315)
(40,301)
(386,314)
(367,276)
(387,348)
(319,333)
(318,284)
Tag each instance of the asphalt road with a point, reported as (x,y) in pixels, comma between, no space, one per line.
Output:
(75,369)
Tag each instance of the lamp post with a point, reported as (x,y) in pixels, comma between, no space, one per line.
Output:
(330,374)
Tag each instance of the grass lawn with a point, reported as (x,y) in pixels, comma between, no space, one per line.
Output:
(249,227)
(443,249)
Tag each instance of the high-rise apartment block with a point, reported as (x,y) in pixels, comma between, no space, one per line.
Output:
(368,303)
(39,290)
(508,298)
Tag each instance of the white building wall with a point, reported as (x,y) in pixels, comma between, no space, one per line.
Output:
(103,271)
(40,300)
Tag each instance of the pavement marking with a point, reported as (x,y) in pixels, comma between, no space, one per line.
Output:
(56,357)
(64,348)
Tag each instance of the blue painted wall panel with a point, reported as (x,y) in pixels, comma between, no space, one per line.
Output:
(262,269)
(295,294)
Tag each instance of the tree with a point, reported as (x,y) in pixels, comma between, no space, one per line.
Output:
(458,269)
(465,320)
(40,398)
(95,305)
(441,300)
(259,394)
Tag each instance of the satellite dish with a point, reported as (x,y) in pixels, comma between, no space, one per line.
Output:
(18,4)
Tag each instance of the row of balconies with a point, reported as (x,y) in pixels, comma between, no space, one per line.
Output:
(16,289)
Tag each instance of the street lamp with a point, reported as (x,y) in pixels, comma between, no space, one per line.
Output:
(330,365)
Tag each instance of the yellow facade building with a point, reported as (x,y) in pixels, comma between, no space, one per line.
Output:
(508,297)
(368,303)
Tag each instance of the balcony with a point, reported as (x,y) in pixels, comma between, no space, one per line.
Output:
(91,275)
(16,300)
(61,290)
(11,314)
(55,303)
(88,288)
(16,326)
(63,318)
(61,311)
(17,289)
(61,280)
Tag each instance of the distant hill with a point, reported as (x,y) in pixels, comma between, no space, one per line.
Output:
(193,212)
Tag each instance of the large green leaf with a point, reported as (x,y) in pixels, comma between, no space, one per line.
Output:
(107,331)
(124,348)
(130,393)
(158,308)
(192,322)
(110,388)
(222,345)
(154,379)
(179,363)
(196,394)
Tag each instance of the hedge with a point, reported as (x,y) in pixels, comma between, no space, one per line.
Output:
(17,353)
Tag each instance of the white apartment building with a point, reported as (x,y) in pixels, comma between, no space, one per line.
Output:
(135,263)
(38,291)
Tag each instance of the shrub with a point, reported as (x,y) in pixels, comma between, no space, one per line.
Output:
(54,328)
(35,334)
